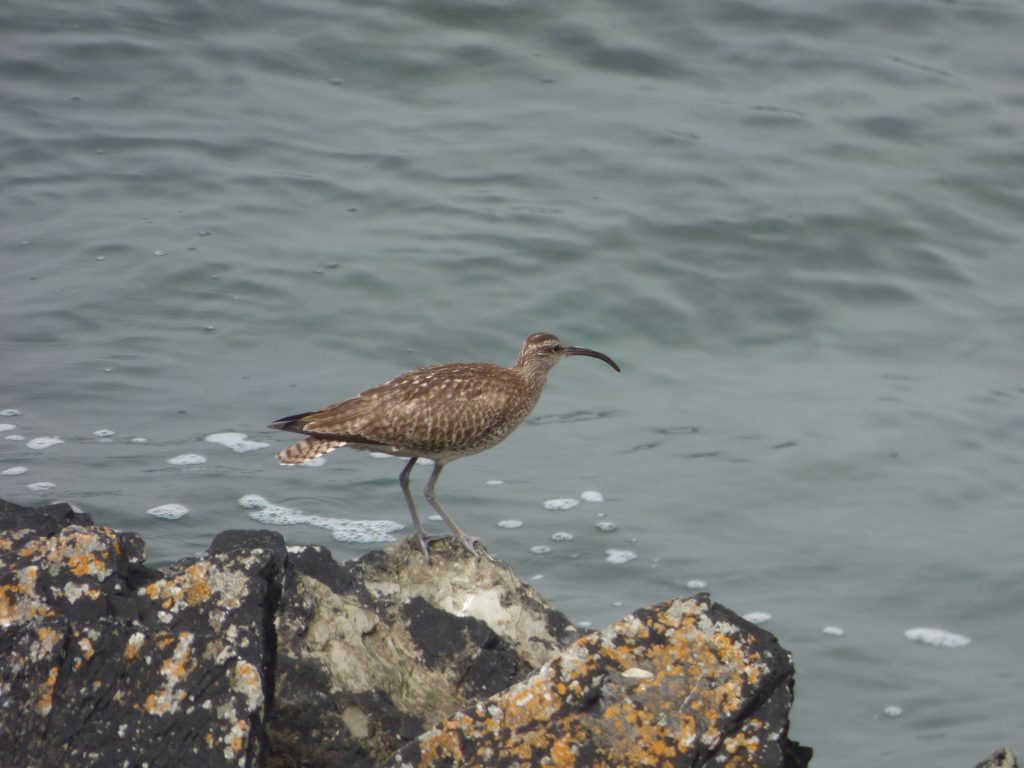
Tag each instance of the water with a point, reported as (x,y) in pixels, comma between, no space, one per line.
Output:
(797,228)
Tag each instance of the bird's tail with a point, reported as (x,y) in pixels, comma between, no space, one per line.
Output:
(307,449)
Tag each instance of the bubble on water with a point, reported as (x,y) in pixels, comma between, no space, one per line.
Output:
(236,441)
(104,433)
(40,443)
(605,526)
(14,437)
(892,711)
(159,252)
(833,631)
(495,482)
(14,471)
(592,496)
(168,511)
(562,536)
(757,617)
(186,459)
(540,549)
(560,504)
(510,523)
(696,584)
(424,461)
(619,556)
(381,455)
(353,531)
(139,440)
(7,427)
(937,638)
(10,412)
(435,517)
(41,486)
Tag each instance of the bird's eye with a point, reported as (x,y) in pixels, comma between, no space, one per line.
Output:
(555,348)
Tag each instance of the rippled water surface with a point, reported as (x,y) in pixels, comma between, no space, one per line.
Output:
(796,226)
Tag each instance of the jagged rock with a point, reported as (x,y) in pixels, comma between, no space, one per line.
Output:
(256,654)
(1001,758)
(685,683)
(374,651)
(105,662)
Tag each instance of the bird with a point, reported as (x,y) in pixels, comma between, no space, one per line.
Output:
(439,412)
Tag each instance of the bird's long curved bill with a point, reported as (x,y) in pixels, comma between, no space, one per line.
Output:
(591,353)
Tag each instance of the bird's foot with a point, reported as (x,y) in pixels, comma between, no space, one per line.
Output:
(473,545)
(425,540)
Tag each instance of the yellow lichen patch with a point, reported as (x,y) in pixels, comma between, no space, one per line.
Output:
(668,682)
(174,670)
(86,645)
(236,739)
(131,648)
(44,701)
(247,681)
(197,583)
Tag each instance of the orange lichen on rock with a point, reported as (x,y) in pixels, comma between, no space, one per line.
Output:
(650,690)
(44,701)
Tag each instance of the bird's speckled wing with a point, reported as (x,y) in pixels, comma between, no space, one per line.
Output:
(449,408)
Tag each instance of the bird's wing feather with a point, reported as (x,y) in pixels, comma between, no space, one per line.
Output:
(455,404)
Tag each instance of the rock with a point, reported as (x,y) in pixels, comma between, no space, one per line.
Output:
(105,662)
(1001,758)
(372,652)
(685,683)
(255,654)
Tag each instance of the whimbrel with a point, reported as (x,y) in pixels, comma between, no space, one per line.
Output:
(438,412)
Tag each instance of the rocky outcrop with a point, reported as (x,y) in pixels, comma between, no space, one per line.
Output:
(1001,758)
(259,654)
(374,651)
(685,683)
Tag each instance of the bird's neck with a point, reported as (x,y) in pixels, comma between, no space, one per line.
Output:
(534,377)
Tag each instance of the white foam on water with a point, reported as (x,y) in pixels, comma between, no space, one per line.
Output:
(41,486)
(186,459)
(319,461)
(354,531)
(14,437)
(14,471)
(139,440)
(435,517)
(236,441)
(562,536)
(833,631)
(592,496)
(757,617)
(605,526)
(104,433)
(696,584)
(10,412)
(540,549)
(937,638)
(619,556)
(381,455)
(510,523)
(561,504)
(168,511)
(41,443)
(495,482)
(893,711)
(7,427)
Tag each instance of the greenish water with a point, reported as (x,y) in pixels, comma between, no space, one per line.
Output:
(796,227)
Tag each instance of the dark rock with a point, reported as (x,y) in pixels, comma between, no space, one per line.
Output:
(105,662)
(685,683)
(256,654)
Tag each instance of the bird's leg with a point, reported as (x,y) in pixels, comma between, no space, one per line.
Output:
(403,480)
(469,542)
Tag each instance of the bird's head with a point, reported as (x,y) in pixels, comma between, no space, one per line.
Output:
(541,351)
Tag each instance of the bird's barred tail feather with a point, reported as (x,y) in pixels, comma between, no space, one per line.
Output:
(310,448)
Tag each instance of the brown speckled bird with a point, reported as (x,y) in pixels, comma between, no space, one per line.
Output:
(438,412)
